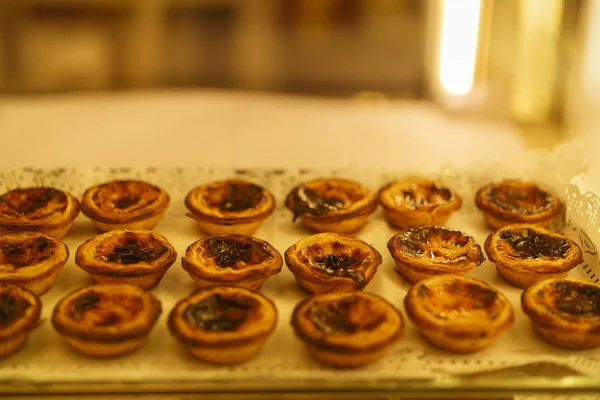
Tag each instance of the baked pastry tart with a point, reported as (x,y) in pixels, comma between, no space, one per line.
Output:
(422,252)
(512,202)
(223,325)
(332,262)
(232,206)
(418,202)
(31,260)
(139,258)
(565,312)
(40,209)
(106,320)
(19,314)
(125,205)
(347,329)
(231,259)
(457,313)
(331,205)
(527,253)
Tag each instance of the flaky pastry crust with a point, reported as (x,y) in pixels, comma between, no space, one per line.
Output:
(418,202)
(125,204)
(223,325)
(20,312)
(527,253)
(332,262)
(106,320)
(422,252)
(457,313)
(139,258)
(39,209)
(232,206)
(331,205)
(347,329)
(510,202)
(31,260)
(231,259)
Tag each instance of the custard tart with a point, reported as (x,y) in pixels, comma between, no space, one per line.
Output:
(458,314)
(20,312)
(418,202)
(332,262)
(232,206)
(223,325)
(512,202)
(31,260)
(347,329)
(139,258)
(40,209)
(422,252)
(565,312)
(527,253)
(106,320)
(331,205)
(125,205)
(231,259)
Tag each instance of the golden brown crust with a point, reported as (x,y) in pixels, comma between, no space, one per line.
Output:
(40,209)
(565,312)
(125,254)
(331,205)
(418,202)
(233,203)
(232,259)
(31,259)
(512,201)
(106,313)
(457,313)
(223,324)
(124,204)
(20,311)
(335,325)
(423,252)
(527,253)
(330,262)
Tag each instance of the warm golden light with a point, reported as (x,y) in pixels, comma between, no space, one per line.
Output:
(458,47)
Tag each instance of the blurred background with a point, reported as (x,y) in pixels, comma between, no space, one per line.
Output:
(527,61)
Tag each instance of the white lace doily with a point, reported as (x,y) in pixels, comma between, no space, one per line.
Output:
(46,358)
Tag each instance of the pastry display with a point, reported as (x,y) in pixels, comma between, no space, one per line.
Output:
(139,258)
(422,252)
(527,253)
(20,312)
(38,209)
(565,312)
(331,205)
(223,325)
(231,259)
(347,329)
(31,260)
(332,262)
(106,320)
(418,202)
(232,206)
(512,202)
(458,314)
(125,205)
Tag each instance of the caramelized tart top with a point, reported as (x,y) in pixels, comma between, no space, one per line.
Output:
(19,310)
(28,254)
(416,194)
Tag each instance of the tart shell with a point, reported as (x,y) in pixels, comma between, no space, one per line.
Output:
(231,259)
(418,202)
(31,260)
(21,310)
(458,314)
(531,268)
(332,262)
(241,338)
(139,258)
(41,209)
